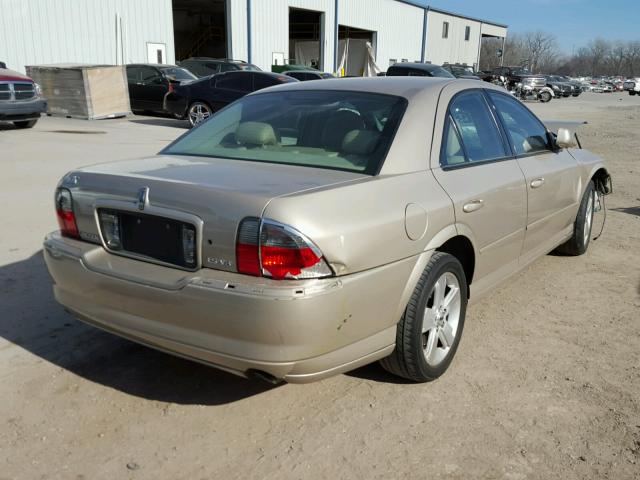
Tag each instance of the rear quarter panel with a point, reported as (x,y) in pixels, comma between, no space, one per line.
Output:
(368,223)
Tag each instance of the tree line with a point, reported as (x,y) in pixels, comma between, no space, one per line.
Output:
(541,53)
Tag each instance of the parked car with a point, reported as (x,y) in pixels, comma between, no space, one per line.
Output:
(21,99)
(510,76)
(417,69)
(197,101)
(560,88)
(577,86)
(305,230)
(149,83)
(205,66)
(305,75)
(460,71)
(632,85)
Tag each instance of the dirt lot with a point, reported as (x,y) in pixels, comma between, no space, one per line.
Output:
(546,383)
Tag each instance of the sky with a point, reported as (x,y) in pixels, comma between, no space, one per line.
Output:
(573,22)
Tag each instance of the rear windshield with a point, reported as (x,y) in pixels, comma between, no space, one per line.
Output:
(179,73)
(339,130)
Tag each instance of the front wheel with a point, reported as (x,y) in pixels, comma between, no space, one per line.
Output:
(631,92)
(545,97)
(26,123)
(579,241)
(429,332)
(198,112)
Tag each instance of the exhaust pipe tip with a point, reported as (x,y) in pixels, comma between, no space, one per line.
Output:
(254,374)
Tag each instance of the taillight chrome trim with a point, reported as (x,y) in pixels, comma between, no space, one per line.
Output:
(262,222)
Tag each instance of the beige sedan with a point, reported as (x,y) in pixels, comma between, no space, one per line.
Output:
(312,228)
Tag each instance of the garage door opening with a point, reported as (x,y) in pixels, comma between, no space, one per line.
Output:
(305,31)
(200,28)
(354,58)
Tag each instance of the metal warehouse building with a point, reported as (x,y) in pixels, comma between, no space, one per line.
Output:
(327,34)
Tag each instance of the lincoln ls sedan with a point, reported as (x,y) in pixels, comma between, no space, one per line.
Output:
(311,228)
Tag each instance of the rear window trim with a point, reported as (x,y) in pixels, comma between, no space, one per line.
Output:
(403,104)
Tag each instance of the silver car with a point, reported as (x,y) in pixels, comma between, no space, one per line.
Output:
(311,228)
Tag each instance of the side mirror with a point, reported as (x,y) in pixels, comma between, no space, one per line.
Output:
(565,139)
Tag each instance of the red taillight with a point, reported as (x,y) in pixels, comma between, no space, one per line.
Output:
(281,253)
(170,87)
(247,256)
(64,211)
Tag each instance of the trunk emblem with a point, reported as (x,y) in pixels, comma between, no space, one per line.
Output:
(143,198)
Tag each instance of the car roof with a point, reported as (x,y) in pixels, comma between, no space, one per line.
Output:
(400,86)
(418,65)
(156,65)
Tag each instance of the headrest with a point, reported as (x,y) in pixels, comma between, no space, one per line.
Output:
(256,134)
(360,142)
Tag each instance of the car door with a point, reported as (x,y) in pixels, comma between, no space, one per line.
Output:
(134,85)
(154,87)
(553,184)
(483,180)
(228,87)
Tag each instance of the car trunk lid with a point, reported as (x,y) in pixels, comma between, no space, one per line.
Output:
(217,192)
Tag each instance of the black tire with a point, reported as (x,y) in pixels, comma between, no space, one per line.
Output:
(408,359)
(26,123)
(579,242)
(544,97)
(631,92)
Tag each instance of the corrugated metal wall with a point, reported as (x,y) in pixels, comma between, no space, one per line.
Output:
(455,48)
(398,27)
(82,31)
(270,29)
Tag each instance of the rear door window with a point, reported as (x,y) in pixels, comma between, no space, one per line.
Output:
(526,133)
(476,127)
(133,74)
(235,81)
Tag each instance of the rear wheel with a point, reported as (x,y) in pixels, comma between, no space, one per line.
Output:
(198,112)
(26,123)
(544,97)
(631,92)
(430,329)
(579,241)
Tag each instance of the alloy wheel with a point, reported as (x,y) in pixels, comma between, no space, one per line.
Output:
(441,318)
(198,112)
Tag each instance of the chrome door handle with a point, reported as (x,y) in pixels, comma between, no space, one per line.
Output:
(538,182)
(472,206)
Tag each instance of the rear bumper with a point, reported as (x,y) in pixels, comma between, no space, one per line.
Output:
(22,110)
(175,104)
(298,331)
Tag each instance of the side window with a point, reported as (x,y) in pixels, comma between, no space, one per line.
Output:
(526,133)
(149,75)
(452,152)
(211,68)
(133,74)
(479,134)
(227,67)
(237,81)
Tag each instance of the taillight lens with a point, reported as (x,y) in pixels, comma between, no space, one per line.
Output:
(64,211)
(277,251)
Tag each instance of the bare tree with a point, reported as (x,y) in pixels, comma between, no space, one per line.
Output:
(598,49)
(541,49)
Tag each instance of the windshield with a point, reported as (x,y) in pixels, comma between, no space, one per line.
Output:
(179,73)
(340,130)
(436,71)
(521,71)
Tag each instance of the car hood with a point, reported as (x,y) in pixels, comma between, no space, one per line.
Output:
(7,75)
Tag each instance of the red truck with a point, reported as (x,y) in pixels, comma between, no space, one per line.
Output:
(20,99)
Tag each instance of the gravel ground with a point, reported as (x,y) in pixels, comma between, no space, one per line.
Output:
(545,384)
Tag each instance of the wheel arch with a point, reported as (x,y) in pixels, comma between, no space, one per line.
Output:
(599,178)
(461,247)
